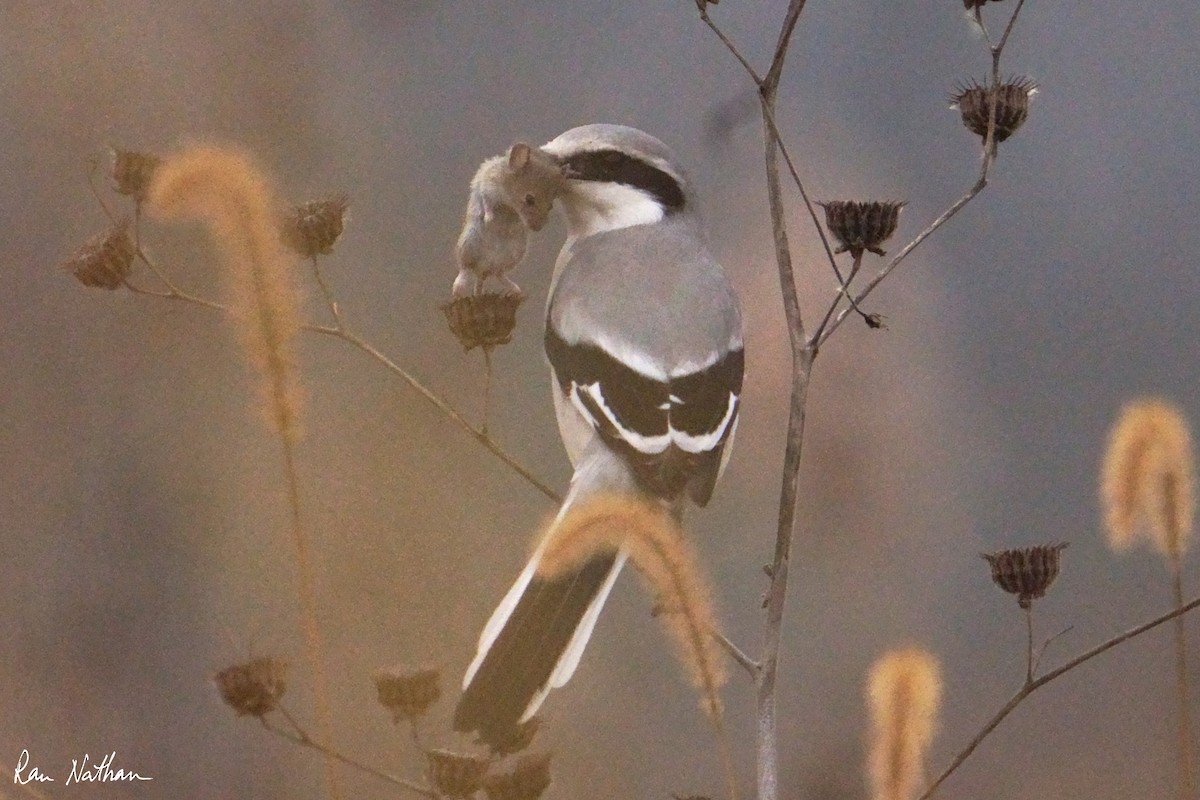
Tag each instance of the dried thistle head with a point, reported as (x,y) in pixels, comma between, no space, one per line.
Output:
(456,774)
(483,320)
(1027,572)
(529,778)
(312,229)
(861,225)
(253,688)
(1147,478)
(105,260)
(656,546)
(518,738)
(974,100)
(132,172)
(408,694)
(903,695)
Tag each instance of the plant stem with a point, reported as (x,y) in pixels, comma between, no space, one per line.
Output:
(1187,780)
(312,630)
(1033,685)
(302,738)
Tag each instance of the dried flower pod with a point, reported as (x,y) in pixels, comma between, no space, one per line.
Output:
(456,774)
(408,693)
(253,688)
(313,228)
(105,260)
(528,779)
(518,738)
(132,172)
(1012,106)
(483,320)
(861,225)
(1028,572)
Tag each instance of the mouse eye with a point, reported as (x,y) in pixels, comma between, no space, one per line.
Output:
(530,200)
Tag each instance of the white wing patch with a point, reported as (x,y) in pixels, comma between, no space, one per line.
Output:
(652,445)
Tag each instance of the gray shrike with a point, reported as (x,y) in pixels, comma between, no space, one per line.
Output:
(644,340)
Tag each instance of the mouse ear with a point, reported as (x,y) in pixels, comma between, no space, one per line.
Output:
(518,155)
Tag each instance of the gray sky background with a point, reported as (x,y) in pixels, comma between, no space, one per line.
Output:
(143,513)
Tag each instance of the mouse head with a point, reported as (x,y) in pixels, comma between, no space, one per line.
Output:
(535,178)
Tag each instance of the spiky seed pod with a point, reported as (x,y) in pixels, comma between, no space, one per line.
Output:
(105,260)
(528,779)
(903,694)
(132,172)
(408,693)
(1027,572)
(313,228)
(456,774)
(518,738)
(861,225)
(1012,106)
(253,688)
(1148,476)
(483,320)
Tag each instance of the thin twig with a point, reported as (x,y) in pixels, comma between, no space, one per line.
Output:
(339,332)
(301,737)
(988,160)
(1187,780)
(329,301)
(1028,642)
(758,81)
(737,654)
(480,436)
(1031,686)
(1042,650)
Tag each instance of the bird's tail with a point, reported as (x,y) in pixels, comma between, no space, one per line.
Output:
(537,634)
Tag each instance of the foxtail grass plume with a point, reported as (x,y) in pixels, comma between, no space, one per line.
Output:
(656,546)
(225,189)
(903,695)
(1147,478)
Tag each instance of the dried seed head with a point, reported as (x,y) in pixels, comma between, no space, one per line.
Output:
(1028,572)
(313,228)
(105,260)
(253,688)
(518,738)
(456,774)
(527,781)
(132,172)
(1012,106)
(407,693)
(483,320)
(1148,477)
(860,226)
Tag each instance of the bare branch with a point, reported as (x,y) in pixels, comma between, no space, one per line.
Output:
(1032,686)
(301,737)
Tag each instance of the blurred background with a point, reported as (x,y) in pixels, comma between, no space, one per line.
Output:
(144,511)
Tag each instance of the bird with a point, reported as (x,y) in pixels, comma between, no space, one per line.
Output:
(643,335)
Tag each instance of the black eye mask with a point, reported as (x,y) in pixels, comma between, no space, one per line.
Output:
(613,166)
